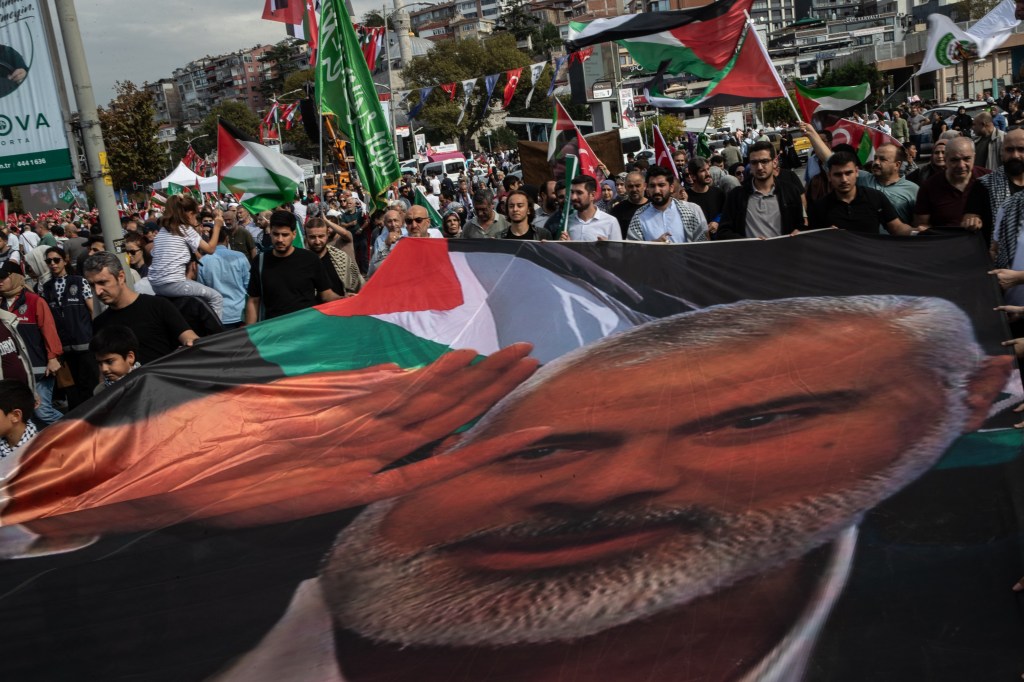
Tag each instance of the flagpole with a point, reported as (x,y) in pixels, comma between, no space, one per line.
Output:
(775,72)
(894,92)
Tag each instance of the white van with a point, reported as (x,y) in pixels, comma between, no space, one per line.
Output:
(450,167)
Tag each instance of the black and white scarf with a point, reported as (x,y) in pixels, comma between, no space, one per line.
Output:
(1008,230)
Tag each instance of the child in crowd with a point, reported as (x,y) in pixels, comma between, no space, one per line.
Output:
(17,402)
(115,348)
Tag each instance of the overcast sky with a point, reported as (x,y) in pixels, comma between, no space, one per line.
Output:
(145,40)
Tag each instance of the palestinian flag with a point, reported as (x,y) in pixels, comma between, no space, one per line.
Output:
(390,325)
(700,41)
(261,178)
(157,199)
(749,76)
(838,98)
(435,217)
(864,139)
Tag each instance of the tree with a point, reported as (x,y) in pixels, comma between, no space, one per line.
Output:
(517,20)
(546,39)
(854,74)
(235,113)
(180,145)
(278,54)
(456,60)
(374,18)
(777,111)
(671,126)
(129,133)
(717,118)
(972,10)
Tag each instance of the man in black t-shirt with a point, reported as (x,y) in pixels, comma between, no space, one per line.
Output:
(155,321)
(636,197)
(701,192)
(286,279)
(849,207)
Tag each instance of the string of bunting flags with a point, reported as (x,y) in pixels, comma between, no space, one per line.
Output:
(512,78)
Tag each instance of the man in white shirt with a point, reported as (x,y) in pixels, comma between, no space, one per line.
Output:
(664,218)
(589,224)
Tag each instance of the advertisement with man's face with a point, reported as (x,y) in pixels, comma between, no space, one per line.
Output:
(789,459)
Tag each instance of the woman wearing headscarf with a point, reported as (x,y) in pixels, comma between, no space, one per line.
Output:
(609,195)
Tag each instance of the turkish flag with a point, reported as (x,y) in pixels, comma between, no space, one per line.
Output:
(510,87)
(663,153)
(450,89)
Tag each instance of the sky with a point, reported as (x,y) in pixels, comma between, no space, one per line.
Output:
(145,40)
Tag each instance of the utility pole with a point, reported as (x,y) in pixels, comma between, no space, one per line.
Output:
(92,135)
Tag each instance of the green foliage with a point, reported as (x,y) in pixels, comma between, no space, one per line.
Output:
(456,60)
(129,133)
(855,74)
(671,126)
(235,113)
(374,18)
(777,111)
(717,118)
(972,10)
(278,53)
(517,19)
(545,40)
(180,145)
(503,138)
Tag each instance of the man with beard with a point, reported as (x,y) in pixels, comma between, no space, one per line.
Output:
(548,205)
(588,223)
(942,200)
(517,206)
(884,175)
(852,207)
(990,193)
(342,270)
(666,219)
(762,207)
(636,197)
(703,193)
(625,532)
(288,278)
(988,141)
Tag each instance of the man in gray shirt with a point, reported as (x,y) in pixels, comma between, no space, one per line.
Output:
(485,223)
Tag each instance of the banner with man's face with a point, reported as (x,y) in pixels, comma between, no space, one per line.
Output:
(789,459)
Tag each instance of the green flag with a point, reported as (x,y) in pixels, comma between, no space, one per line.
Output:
(572,167)
(173,189)
(67,197)
(435,217)
(345,89)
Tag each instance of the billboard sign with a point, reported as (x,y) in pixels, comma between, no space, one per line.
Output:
(33,144)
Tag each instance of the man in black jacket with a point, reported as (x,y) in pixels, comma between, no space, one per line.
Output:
(764,205)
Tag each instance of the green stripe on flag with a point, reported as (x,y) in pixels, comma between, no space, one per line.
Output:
(346,343)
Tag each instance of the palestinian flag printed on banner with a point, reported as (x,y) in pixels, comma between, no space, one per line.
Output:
(864,139)
(837,98)
(699,41)
(261,178)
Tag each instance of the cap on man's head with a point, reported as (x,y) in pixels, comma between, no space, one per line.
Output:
(11,268)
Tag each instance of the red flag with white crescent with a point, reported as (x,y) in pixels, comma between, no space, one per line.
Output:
(510,86)
(663,153)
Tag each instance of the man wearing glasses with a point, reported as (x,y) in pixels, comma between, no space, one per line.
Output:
(761,207)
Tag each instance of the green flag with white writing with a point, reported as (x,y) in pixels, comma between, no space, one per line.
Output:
(345,89)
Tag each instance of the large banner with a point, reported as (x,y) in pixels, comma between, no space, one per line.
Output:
(771,460)
(33,145)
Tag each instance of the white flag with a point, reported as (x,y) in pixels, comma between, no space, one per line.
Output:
(467,90)
(949,45)
(535,71)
